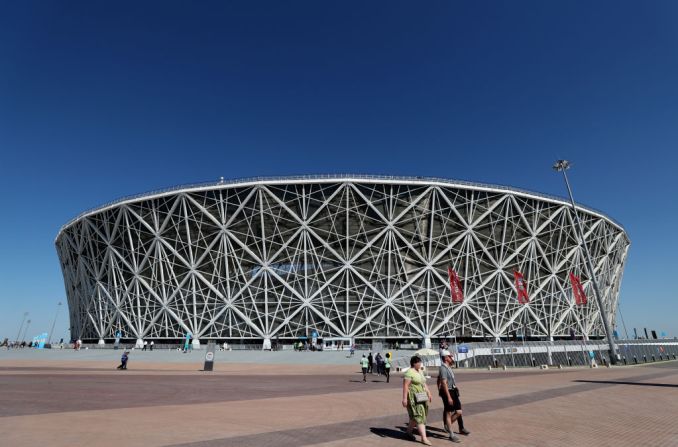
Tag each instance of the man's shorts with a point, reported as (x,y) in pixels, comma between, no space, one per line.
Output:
(456,404)
(364,370)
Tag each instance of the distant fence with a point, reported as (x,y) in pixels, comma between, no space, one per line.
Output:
(564,353)
(506,354)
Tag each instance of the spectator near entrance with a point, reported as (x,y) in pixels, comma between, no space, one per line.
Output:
(370,359)
(380,363)
(364,365)
(387,367)
(145,345)
(152,343)
(123,360)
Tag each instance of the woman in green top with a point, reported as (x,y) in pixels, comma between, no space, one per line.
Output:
(387,367)
(414,382)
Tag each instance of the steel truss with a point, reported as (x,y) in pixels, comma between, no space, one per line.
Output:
(360,258)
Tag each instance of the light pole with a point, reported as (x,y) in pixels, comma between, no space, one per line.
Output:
(28,323)
(562,166)
(49,339)
(22,326)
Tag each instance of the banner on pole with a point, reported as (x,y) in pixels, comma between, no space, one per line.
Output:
(521,288)
(578,289)
(455,286)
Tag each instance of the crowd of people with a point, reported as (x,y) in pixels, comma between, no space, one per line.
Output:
(376,365)
(7,344)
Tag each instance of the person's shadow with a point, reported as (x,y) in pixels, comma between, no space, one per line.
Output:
(400,432)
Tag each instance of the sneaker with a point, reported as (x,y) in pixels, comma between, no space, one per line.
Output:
(463,431)
(447,427)
(454,438)
(410,436)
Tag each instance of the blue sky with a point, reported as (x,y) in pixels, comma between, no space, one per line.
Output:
(103,99)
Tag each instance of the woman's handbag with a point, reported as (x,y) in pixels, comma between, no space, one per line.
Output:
(421,397)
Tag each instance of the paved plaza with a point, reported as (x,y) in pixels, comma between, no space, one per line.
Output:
(66,398)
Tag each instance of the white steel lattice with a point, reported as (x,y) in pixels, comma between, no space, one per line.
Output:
(346,257)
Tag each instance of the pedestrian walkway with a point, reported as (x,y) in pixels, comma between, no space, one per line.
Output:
(285,405)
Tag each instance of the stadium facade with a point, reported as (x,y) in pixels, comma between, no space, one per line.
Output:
(345,257)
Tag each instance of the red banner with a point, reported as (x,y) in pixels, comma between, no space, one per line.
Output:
(455,286)
(578,289)
(521,288)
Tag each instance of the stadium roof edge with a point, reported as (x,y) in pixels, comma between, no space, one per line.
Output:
(326,178)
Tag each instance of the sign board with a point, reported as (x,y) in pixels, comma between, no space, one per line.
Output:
(462,349)
(39,340)
(209,356)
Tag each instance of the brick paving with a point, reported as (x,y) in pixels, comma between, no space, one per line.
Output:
(77,404)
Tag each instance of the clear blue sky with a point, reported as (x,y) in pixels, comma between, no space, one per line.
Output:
(103,99)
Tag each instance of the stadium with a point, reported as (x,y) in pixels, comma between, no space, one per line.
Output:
(346,258)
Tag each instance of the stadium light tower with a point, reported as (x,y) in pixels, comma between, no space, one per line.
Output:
(22,326)
(49,340)
(28,323)
(562,166)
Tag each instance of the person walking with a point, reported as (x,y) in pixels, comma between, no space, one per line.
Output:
(364,366)
(123,360)
(145,345)
(416,397)
(370,359)
(378,359)
(387,367)
(449,393)
(352,350)
(151,345)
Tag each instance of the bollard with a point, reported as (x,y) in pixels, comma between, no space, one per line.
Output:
(209,356)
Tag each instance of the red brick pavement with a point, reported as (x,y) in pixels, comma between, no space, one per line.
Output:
(158,406)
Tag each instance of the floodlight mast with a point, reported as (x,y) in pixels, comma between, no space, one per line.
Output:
(49,339)
(562,166)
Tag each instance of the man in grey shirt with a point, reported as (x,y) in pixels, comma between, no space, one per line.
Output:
(447,389)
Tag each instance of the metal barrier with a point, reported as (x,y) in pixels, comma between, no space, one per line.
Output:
(533,354)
